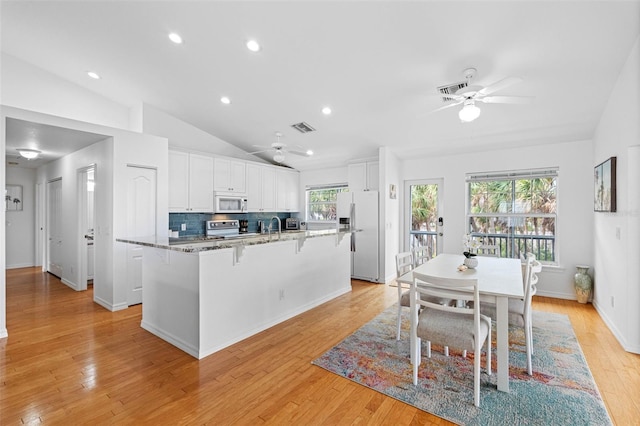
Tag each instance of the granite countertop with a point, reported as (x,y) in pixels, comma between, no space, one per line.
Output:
(191,244)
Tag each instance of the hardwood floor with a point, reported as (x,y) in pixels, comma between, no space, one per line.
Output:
(69,361)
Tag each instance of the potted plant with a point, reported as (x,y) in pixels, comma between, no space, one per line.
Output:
(471,244)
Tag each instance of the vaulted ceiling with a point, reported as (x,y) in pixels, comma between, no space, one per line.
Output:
(377,64)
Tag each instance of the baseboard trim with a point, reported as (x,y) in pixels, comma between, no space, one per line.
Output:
(69,284)
(20,265)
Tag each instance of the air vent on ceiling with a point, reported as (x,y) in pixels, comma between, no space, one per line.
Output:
(303,127)
(450,89)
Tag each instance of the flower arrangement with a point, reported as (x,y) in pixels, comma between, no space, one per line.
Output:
(471,244)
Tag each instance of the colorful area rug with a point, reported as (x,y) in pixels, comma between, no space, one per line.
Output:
(560,392)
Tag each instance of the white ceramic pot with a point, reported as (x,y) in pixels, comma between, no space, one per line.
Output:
(471,262)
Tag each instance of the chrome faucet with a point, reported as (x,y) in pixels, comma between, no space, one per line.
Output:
(279,225)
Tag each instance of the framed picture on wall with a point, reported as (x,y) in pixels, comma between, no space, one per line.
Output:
(604,178)
(13,198)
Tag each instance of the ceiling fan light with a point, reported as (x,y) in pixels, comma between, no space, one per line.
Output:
(278,157)
(469,112)
(29,154)
(309,152)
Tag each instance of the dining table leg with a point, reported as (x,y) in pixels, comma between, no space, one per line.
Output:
(502,331)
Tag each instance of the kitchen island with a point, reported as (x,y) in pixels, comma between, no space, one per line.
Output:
(203,296)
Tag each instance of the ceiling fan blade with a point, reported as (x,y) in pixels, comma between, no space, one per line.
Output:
(448,105)
(301,153)
(507,99)
(499,85)
(258,152)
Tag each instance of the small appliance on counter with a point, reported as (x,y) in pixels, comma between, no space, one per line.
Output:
(291,224)
(244,226)
(261,228)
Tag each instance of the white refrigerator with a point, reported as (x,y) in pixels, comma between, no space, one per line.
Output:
(361,207)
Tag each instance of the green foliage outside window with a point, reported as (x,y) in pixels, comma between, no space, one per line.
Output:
(517,214)
(322,203)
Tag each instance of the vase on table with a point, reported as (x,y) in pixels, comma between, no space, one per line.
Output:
(582,283)
(471,262)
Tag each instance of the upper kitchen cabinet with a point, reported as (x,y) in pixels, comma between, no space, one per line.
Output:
(229,176)
(287,190)
(363,176)
(261,188)
(190,182)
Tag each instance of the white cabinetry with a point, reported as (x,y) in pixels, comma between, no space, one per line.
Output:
(287,185)
(261,188)
(229,176)
(190,182)
(363,176)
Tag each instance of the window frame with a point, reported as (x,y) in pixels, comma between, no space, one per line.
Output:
(341,187)
(514,176)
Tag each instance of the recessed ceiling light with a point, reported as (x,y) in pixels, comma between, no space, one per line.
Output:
(93,75)
(326,110)
(253,46)
(309,152)
(225,100)
(175,37)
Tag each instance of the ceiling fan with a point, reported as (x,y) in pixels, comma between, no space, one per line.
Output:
(279,149)
(467,94)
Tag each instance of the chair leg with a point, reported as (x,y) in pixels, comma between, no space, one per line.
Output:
(464,353)
(476,376)
(446,351)
(529,343)
(399,320)
(428,348)
(418,359)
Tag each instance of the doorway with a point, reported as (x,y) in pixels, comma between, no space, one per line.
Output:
(54,227)
(424,221)
(86,221)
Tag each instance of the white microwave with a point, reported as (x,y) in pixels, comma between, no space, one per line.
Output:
(229,203)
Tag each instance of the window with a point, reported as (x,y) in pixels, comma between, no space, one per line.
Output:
(322,202)
(516,211)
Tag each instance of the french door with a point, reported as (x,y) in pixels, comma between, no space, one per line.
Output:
(424,221)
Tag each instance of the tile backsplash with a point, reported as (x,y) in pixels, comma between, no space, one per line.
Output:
(195,222)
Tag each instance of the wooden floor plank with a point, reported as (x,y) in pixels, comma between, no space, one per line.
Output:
(67,360)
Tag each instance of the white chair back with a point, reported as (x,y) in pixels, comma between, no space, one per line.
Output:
(404,263)
(421,255)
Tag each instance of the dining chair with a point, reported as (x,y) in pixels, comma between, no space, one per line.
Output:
(459,327)
(520,309)
(489,250)
(404,264)
(421,254)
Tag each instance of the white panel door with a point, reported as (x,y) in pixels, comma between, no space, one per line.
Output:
(141,222)
(54,227)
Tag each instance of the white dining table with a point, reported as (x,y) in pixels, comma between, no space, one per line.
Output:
(498,280)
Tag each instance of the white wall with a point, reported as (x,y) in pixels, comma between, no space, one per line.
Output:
(575,200)
(617,280)
(390,242)
(20,225)
(28,87)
